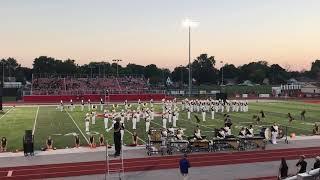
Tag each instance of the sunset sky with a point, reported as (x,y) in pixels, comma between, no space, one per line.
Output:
(149,31)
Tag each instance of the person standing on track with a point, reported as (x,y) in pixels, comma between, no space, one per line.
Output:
(117,137)
(184,167)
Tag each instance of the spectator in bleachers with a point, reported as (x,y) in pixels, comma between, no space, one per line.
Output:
(316,164)
(302,164)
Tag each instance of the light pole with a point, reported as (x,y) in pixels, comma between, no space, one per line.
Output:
(189,23)
(117,61)
(222,65)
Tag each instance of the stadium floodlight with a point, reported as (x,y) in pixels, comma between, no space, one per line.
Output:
(189,24)
(222,65)
(117,62)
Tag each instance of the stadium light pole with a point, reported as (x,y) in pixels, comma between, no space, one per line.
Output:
(222,65)
(189,24)
(117,61)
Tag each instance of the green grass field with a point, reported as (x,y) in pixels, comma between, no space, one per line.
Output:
(51,122)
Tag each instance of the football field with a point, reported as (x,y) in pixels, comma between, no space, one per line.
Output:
(61,126)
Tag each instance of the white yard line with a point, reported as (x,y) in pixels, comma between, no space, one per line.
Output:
(35,121)
(138,136)
(6,113)
(77,127)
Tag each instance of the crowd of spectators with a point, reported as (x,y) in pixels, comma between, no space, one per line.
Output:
(79,86)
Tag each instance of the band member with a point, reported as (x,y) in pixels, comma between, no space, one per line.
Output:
(249,131)
(61,105)
(122,116)
(87,122)
(212,112)
(101,140)
(290,117)
(242,132)
(197,133)
(71,105)
(220,133)
(82,105)
(302,115)
(101,104)
(77,141)
(203,114)
(147,120)
(171,130)
(49,143)
(179,134)
(105,119)
(4,144)
(227,130)
(274,133)
(93,117)
(117,137)
(92,142)
(174,119)
(89,104)
(169,116)
(316,130)
(134,138)
(122,130)
(228,121)
(188,112)
(138,115)
(164,120)
(152,113)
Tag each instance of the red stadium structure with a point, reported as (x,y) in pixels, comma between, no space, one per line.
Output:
(53,88)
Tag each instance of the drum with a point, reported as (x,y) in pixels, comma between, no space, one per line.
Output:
(155,135)
(266,133)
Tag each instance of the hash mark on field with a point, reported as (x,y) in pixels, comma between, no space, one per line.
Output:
(77,126)
(35,121)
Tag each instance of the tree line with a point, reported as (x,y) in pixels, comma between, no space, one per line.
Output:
(203,68)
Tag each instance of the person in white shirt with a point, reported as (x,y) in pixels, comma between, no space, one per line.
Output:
(134,120)
(93,117)
(164,120)
(274,133)
(147,119)
(82,105)
(71,105)
(89,104)
(105,119)
(87,122)
(249,131)
(203,113)
(101,104)
(61,105)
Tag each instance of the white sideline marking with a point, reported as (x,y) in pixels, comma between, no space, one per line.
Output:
(77,126)
(6,113)
(138,136)
(35,121)
(9,173)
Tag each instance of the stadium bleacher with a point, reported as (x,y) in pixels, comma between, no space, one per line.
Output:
(80,86)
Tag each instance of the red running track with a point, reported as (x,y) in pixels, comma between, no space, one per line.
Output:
(154,163)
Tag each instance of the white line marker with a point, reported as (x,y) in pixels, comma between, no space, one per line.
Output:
(35,121)
(6,113)
(9,173)
(77,127)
